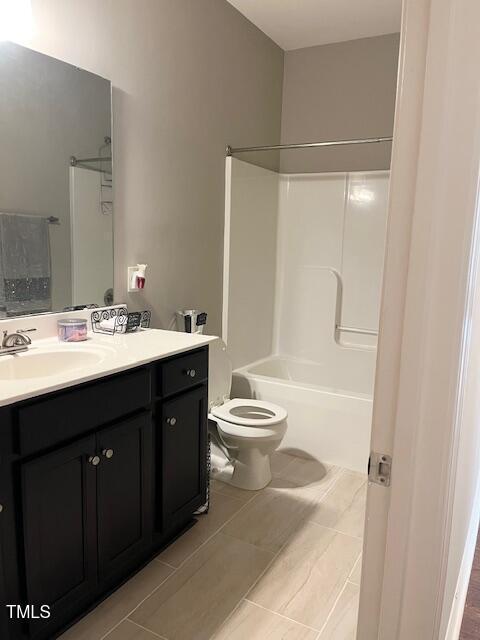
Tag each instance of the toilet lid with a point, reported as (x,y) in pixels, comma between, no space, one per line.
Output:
(219,373)
(250,413)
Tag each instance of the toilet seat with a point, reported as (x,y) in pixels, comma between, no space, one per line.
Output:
(250,413)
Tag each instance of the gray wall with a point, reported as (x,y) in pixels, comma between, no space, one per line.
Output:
(49,111)
(189,76)
(339,91)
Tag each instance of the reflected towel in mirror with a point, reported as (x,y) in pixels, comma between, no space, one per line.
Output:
(25,267)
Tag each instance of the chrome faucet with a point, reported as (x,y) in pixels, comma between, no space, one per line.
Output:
(15,342)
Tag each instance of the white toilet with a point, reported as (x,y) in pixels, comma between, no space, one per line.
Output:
(244,433)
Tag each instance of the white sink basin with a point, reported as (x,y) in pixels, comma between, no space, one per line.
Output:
(42,364)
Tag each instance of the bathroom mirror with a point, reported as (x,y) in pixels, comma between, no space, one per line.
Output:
(56,188)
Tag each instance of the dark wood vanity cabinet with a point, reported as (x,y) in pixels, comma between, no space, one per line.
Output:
(59,528)
(183,481)
(124,493)
(5,488)
(94,480)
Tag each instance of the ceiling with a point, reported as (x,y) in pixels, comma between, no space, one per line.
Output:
(294,24)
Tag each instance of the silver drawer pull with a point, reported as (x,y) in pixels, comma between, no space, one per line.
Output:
(94,460)
(107,453)
(172,421)
(191,372)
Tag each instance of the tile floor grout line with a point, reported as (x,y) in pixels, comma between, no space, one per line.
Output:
(191,556)
(275,556)
(216,531)
(167,564)
(227,495)
(175,569)
(126,617)
(245,597)
(294,459)
(333,483)
(355,565)
(280,474)
(317,499)
(275,612)
(230,615)
(342,472)
(354,584)
(342,533)
(280,615)
(156,635)
(282,547)
(260,576)
(330,613)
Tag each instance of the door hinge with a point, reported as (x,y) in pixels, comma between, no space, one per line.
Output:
(380,468)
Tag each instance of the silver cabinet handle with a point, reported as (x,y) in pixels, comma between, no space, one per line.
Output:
(1,508)
(191,372)
(172,421)
(108,453)
(94,460)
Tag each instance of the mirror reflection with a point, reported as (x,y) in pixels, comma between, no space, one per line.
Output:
(56,188)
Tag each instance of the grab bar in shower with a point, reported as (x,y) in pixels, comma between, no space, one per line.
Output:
(339,327)
(365,332)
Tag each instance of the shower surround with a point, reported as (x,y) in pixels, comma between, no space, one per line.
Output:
(303,254)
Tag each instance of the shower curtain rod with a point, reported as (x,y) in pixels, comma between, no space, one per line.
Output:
(83,163)
(308,145)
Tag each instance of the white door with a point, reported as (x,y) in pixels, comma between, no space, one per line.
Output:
(424,337)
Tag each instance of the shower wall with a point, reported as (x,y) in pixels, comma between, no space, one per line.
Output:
(329,222)
(250,244)
(289,240)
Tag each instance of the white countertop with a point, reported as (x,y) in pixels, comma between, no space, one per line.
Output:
(109,354)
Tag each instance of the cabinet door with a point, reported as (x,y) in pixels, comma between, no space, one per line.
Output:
(60,534)
(4,630)
(10,592)
(184,442)
(124,493)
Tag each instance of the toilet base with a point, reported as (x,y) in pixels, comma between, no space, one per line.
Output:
(250,470)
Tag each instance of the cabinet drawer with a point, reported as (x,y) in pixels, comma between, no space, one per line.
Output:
(182,373)
(47,422)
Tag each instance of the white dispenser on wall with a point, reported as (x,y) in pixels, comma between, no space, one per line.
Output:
(136,277)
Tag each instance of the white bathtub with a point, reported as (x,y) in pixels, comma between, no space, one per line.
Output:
(329,405)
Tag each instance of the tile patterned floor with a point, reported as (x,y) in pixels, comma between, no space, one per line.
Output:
(283,563)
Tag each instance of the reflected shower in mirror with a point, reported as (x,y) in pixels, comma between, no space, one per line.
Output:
(56,204)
